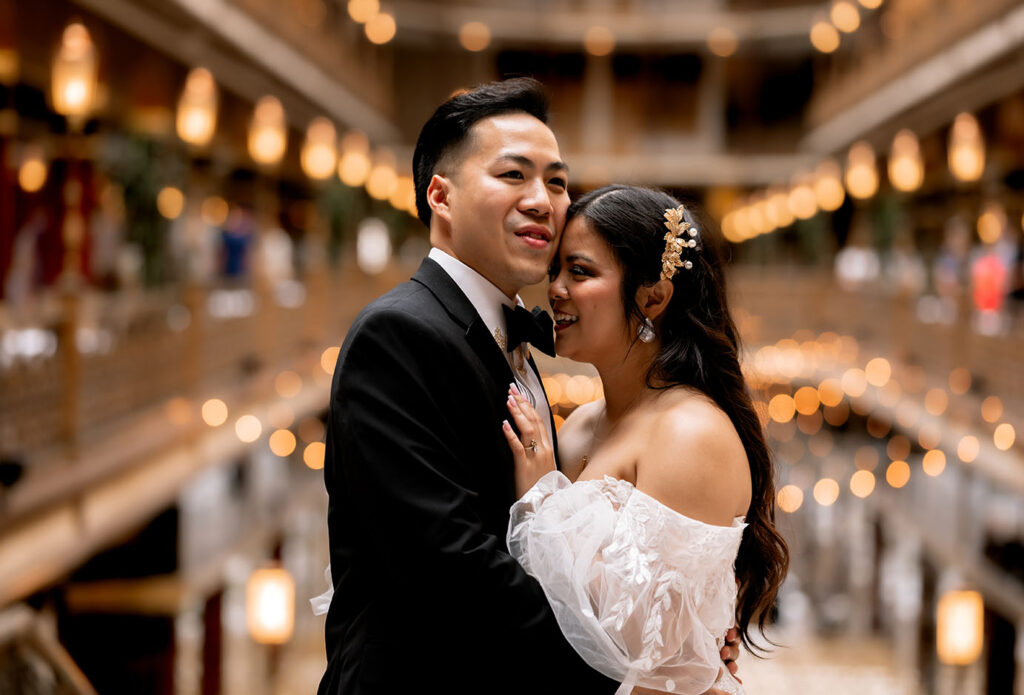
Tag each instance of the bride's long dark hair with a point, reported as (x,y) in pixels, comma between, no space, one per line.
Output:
(699,349)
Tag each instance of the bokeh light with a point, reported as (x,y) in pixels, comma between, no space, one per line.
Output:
(329,358)
(475,36)
(790,498)
(991,409)
(826,492)
(248,428)
(170,202)
(933,462)
(1004,436)
(215,412)
(878,371)
(313,455)
(862,483)
(968,448)
(935,401)
(282,443)
(897,474)
(781,407)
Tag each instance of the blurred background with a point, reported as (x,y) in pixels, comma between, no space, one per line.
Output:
(197,196)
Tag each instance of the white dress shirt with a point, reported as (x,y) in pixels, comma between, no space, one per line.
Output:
(487,299)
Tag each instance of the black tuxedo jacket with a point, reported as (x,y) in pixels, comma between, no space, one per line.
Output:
(420,477)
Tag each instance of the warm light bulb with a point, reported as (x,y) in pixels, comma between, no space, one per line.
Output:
(170,202)
(32,172)
(824,37)
(722,41)
(475,36)
(381,28)
(320,151)
(991,223)
(73,80)
(828,186)
(862,483)
(906,168)
(363,11)
(196,119)
(966,154)
(861,173)
(383,179)
(790,498)
(802,201)
(844,16)
(599,41)
(826,492)
(267,133)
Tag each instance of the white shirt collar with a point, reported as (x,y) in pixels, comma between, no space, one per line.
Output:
(484,295)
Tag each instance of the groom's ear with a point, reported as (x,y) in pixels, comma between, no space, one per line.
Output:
(654,298)
(439,197)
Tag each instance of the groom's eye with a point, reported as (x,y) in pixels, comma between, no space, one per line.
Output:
(512,174)
(558,181)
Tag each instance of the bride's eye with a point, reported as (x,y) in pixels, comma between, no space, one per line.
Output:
(578,270)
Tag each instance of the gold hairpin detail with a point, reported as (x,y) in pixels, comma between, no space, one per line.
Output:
(675,242)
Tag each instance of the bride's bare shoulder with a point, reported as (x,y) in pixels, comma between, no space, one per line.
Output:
(694,460)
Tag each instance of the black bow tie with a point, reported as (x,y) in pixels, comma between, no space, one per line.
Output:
(535,328)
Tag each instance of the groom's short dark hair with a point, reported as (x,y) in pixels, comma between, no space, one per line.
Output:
(445,134)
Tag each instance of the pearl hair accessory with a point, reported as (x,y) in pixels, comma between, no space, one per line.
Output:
(676,241)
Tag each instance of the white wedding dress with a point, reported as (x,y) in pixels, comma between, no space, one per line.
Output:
(643,593)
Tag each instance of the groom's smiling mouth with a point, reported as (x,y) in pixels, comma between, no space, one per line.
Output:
(535,235)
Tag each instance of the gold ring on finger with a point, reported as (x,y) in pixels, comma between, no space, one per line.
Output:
(533,446)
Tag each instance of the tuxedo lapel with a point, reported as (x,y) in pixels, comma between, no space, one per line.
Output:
(551,411)
(434,278)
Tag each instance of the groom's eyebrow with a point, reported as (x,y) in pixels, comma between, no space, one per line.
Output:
(527,162)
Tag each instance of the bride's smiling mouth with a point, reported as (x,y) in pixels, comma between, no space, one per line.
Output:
(564,320)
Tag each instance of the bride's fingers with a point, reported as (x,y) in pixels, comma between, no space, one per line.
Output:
(513,441)
(523,422)
(529,411)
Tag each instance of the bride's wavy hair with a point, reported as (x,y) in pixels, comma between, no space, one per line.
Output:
(700,349)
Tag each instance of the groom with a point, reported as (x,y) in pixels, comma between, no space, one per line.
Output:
(420,478)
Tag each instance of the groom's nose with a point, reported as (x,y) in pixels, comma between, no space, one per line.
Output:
(536,199)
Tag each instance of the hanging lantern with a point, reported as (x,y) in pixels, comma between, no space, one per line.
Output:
(383,179)
(354,164)
(268,136)
(33,169)
(906,169)
(828,186)
(966,149)
(802,202)
(778,199)
(270,606)
(399,197)
(197,108)
(960,627)
(861,171)
(320,150)
(73,84)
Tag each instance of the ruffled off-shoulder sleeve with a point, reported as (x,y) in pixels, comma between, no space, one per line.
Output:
(644,594)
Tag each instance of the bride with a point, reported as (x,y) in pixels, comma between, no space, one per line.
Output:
(657,535)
